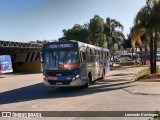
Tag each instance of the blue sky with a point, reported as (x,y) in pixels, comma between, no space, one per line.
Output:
(27,20)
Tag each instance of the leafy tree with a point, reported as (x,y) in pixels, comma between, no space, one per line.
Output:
(148,18)
(96,31)
(78,32)
(127,42)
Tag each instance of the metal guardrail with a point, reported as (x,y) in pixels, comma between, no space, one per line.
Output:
(9,44)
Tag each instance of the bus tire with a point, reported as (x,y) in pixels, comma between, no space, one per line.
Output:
(90,79)
(86,85)
(103,74)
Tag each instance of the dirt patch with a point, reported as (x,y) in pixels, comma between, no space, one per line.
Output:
(150,78)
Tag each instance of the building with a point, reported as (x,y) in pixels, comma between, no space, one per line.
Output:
(25,56)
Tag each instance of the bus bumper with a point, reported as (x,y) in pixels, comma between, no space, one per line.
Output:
(74,83)
(6,71)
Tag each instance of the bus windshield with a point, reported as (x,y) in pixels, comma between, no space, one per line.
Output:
(57,60)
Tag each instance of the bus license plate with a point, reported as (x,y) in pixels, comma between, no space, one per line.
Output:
(58,83)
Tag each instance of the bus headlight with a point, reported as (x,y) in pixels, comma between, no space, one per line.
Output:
(44,78)
(74,78)
(77,76)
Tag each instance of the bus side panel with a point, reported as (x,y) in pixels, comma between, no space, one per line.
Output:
(83,74)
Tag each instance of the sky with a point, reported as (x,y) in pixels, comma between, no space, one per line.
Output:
(30,20)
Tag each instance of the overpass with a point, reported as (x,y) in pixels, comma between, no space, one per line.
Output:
(25,56)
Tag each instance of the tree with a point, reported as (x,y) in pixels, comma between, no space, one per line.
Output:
(136,33)
(77,32)
(127,42)
(113,30)
(145,41)
(96,31)
(149,19)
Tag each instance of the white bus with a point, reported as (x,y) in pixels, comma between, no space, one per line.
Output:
(73,63)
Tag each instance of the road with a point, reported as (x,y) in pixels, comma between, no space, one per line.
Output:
(117,92)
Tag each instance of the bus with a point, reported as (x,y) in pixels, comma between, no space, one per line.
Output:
(73,63)
(5,64)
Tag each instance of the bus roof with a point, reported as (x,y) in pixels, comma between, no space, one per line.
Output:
(92,46)
(80,44)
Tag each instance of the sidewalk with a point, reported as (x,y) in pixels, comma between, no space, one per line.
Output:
(127,73)
(139,87)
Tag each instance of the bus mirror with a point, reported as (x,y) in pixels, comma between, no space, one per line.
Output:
(41,56)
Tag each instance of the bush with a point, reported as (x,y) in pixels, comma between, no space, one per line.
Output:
(128,63)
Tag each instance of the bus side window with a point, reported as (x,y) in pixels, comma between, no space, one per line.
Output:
(107,55)
(104,56)
(83,57)
(99,55)
(91,55)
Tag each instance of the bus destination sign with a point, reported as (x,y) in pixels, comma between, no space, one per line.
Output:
(58,46)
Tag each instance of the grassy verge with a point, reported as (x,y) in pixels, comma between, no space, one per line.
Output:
(142,73)
(146,71)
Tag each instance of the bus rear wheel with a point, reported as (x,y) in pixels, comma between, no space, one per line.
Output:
(103,74)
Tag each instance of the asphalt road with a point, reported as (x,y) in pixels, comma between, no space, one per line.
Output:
(117,92)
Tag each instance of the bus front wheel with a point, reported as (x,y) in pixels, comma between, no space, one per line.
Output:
(89,81)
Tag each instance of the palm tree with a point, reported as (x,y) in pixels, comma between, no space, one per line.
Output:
(113,31)
(145,40)
(136,33)
(149,19)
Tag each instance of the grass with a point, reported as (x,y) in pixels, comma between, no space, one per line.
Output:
(145,74)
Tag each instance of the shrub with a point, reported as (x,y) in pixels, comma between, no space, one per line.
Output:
(128,63)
